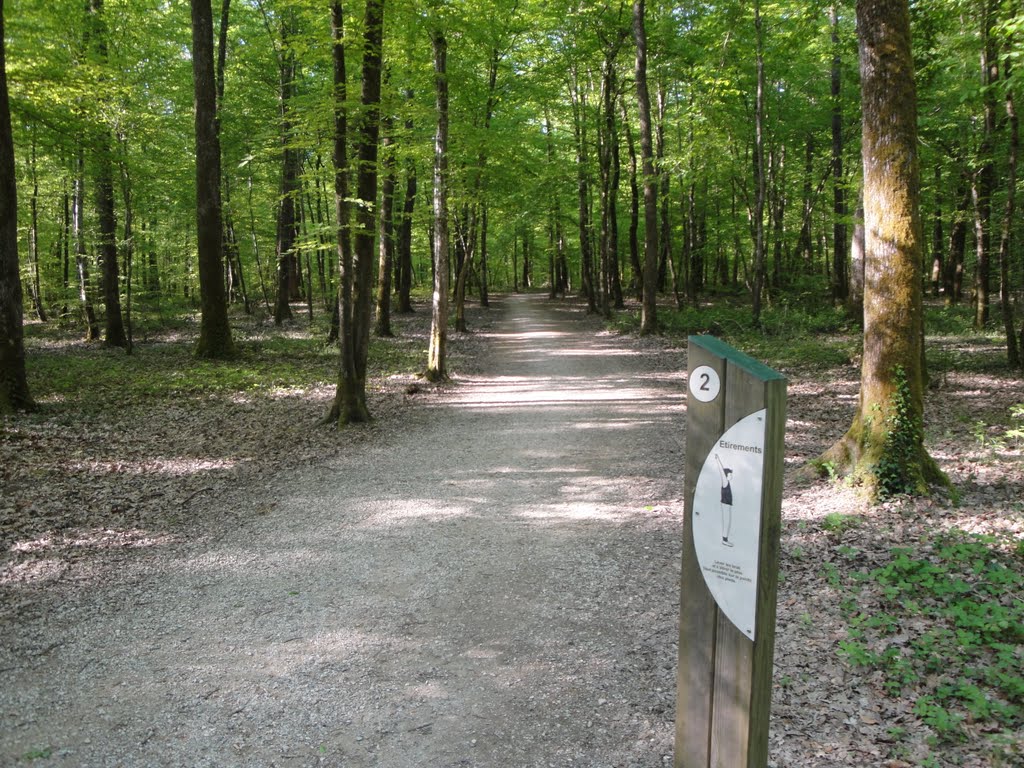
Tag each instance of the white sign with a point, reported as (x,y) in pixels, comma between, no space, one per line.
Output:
(727,519)
(705,383)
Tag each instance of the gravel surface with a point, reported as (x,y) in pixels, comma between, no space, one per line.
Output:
(491,581)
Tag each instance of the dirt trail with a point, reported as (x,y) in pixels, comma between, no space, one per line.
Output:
(493,584)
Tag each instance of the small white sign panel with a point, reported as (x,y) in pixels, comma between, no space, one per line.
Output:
(727,519)
(705,383)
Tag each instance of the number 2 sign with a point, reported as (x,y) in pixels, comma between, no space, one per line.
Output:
(705,383)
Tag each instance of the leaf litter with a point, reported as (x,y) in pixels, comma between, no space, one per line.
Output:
(84,488)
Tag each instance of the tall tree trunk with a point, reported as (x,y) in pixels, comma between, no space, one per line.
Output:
(649,309)
(287,217)
(485,300)
(527,270)
(404,253)
(759,169)
(92,328)
(386,244)
(840,253)
(984,181)
(636,283)
(14,392)
(664,219)
(129,250)
(953,274)
(1013,353)
(114,326)
(885,444)
(214,331)
(579,104)
(938,236)
(437,369)
(33,235)
(350,401)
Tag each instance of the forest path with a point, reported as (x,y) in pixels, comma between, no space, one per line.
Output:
(493,583)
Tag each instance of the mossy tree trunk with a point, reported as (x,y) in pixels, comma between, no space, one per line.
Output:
(884,445)
(14,394)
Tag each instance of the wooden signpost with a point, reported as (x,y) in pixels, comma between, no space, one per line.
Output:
(736,417)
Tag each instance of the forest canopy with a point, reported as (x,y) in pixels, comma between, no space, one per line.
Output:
(544,147)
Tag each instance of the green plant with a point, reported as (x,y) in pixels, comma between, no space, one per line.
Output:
(898,470)
(42,753)
(836,522)
(963,660)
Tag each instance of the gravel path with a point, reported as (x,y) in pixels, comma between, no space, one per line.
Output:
(492,583)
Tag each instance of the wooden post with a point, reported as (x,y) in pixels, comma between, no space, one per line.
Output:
(736,417)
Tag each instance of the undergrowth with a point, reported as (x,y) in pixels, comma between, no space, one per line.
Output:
(944,624)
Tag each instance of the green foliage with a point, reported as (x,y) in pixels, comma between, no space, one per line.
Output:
(898,469)
(949,625)
(787,336)
(836,522)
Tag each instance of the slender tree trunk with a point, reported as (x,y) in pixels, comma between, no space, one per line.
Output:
(664,218)
(33,235)
(759,170)
(1013,353)
(14,392)
(840,253)
(386,244)
(114,325)
(526,263)
(649,309)
(404,253)
(984,181)
(92,328)
(287,218)
(129,251)
(884,446)
(350,400)
(579,103)
(485,300)
(938,236)
(437,354)
(636,283)
(953,274)
(214,331)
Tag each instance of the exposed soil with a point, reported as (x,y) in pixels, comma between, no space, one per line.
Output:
(487,576)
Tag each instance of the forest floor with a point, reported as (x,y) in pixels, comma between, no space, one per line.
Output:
(485,576)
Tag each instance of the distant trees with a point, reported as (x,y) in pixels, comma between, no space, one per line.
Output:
(721,151)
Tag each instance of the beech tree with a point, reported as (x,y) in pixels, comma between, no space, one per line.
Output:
(356,297)
(649,312)
(14,392)
(437,353)
(214,330)
(885,444)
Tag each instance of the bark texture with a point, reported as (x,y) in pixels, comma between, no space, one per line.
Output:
(350,400)
(436,363)
(884,445)
(649,307)
(14,394)
(214,331)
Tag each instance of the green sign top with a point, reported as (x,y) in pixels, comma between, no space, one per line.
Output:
(719,348)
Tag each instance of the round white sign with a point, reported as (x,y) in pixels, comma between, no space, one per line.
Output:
(705,383)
